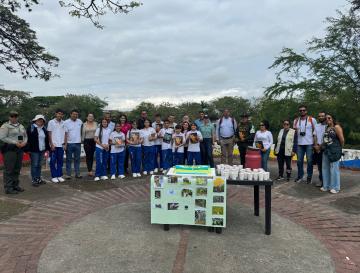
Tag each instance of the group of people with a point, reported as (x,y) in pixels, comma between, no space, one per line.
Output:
(156,146)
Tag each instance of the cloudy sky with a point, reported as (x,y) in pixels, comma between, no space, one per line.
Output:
(172,50)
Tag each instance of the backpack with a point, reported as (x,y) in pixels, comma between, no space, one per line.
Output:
(232,121)
(310,119)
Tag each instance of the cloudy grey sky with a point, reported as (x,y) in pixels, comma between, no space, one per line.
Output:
(172,50)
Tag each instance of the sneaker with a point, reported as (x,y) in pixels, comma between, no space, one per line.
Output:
(134,175)
(156,170)
(145,172)
(138,175)
(113,177)
(323,189)
(67,177)
(97,178)
(334,191)
(308,180)
(104,177)
(121,176)
(279,178)
(298,180)
(55,180)
(61,179)
(151,172)
(164,171)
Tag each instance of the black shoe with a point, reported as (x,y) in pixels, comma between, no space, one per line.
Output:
(12,191)
(78,176)
(19,189)
(308,180)
(35,184)
(41,182)
(298,180)
(279,178)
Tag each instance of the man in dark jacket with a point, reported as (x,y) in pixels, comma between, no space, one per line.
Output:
(245,136)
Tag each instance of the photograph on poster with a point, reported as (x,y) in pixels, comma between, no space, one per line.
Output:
(219,185)
(186,193)
(200,217)
(217,210)
(173,206)
(158,181)
(173,179)
(157,194)
(186,207)
(217,221)
(218,199)
(186,181)
(171,192)
(201,181)
(200,203)
(201,191)
(158,206)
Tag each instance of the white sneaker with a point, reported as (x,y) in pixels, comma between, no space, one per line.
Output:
(145,173)
(61,179)
(138,175)
(323,189)
(333,191)
(121,176)
(104,177)
(134,174)
(156,170)
(113,177)
(151,172)
(55,180)
(97,178)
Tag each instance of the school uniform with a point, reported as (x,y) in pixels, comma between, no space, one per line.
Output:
(57,130)
(73,130)
(117,153)
(135,150)
(166,147)
(148,149)
(102,155)
(193,138)
(157,146)
(178,152)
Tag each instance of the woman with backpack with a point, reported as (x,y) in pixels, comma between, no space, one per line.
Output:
(333,142)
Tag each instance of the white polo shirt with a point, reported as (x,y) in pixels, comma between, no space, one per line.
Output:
(73,129)
(57,130)
(194,146)
(105,136)
(146,133)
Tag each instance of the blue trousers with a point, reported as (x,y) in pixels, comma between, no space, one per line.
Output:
(331,173)
(102,157)
(117,159)
(135,158)
(148,158)
(194,156)
(301,151)
(36,160)
(56,162)
(167,156)
(264,159)
(178,158)
(73,149)
(158,154)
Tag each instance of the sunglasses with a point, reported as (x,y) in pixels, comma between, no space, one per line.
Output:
(302,110)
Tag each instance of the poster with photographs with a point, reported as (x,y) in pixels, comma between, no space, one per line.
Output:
(167,137)
(193,138)
(188,200)
(135,137)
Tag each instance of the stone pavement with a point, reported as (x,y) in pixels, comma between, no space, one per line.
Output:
(84,226)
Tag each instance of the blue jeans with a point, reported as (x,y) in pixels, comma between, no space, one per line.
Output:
(119,160)
(158,154)
(148,158)
(330,173)
(178,158)
(56,162)
(167,156)
(135,157)
(73,149)
(264,159)
(36,160)
(207,152)
(301,151)
(102,157)
(191,156)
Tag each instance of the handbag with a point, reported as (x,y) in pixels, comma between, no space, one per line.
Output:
(333,151)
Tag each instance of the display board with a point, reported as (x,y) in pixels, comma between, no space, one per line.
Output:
(188,200)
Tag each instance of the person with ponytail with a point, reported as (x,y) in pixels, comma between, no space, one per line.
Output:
(102,136)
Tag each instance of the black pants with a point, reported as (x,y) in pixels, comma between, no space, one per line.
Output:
(317,159)
(12,167)
(89,147)
(282,158)
(242,150)
(207,152)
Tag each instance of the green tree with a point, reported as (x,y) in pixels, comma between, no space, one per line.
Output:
(236,105)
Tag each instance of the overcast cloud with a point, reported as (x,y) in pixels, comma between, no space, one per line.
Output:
(178,50)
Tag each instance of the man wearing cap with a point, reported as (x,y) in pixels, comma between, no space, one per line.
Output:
(206,146)
(245,134)
(38,143)
(225,132)
(14,138)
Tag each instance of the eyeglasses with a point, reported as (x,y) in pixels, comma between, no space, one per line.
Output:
(302,110)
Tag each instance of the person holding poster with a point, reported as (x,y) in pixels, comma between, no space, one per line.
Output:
(157,125)
(117,152)
(178,145)
(149,135)
(134,140)
(166,149)
(194,137)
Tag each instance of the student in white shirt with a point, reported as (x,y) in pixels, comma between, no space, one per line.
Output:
(134,139)
(56,131)
(157,125)
(149,136)
(263,140)
(193,138)
(166,148)
(73,143)
(102,136)
(178,146)
(117,152)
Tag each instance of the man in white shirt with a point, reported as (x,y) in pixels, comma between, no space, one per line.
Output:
(305,127)
(73,143)
(111,125)
(225,136)
(319,134)
(56,129)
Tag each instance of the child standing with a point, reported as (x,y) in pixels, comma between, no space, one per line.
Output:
(149,135)
(193,137)
(117,153)
(134,140)
(158,125)
(166,149)
(178,146)
(102,135)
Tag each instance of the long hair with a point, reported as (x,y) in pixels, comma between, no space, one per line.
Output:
(101,129)
(125,116)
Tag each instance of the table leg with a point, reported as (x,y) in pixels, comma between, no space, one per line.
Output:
(218,230)
(256,200)
(166,227)
(267,210)
(210,229)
